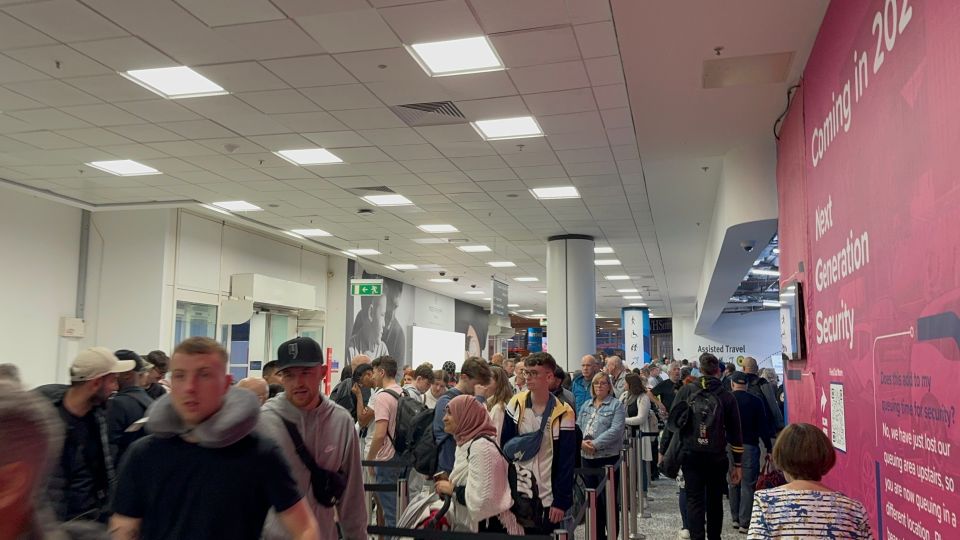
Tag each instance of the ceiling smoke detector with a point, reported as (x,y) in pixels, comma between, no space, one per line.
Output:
(365,211)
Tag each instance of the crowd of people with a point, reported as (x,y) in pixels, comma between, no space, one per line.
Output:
(154,447)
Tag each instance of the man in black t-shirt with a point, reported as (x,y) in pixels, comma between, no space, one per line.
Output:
(204,472)
(667,390)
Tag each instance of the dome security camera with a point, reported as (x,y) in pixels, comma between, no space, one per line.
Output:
(456,279)
(748,245)
(442,273)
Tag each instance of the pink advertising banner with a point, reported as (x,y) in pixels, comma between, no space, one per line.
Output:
(869,178)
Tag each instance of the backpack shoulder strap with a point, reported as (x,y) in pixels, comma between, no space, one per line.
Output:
(495,445)
(395,395)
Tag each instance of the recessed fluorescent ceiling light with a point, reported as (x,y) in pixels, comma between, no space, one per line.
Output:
(175,82)
(542,292)
(394,199)
(617,278)
(599,250)
(520,127)
(123,167)
(474,249)
(638,304)
(475,292)
(238,206)
(513,305)
(606,262)
(501,264)
(404,266)
(364,251)
(526,278)
(487,299)
(309,156)
(441,280)
(456,56)
(559,192)
(524,311)
(432,240)
(627,290)
(437,229)
(539,315)
(764,272)
(311,232)
(633,297)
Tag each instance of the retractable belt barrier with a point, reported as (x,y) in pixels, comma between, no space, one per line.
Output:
(428,534)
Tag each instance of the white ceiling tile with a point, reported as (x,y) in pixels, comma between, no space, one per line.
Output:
(516,146)
(54,93)
(65,20)
(550,77)
(446,177)
(384,167)
(365,65)
(613,96)
(621,136)
(606,70)
(418,23)
(260,161)
(392,136)
(504,185)
(503,107)
(588,138)
(347,31)
(630,166)
(271,39)
(628,151)
(449,133)
(11,146)
(585,155)
(587,11)
(597,39)
(9,124)
(134,151)
(253,124)
(48,119)
(46,140)
(286,141)
(369,118)
(213,163)
(412,90)
(367,154)
(158,110)
(14,34)
(124,54)
(58,61)
(617,118)
(529,159)
(12,101)
(232,145)
(241,77)
(278,101)
(465,149)
(182,148)
(478,85)
(224,12)
(337,98)
(388,3)
(518,49)
(428,165)
(101,115)
(598,167)
(412,152)
(145,133)
(570,123)
(170,165)
(507,15)
(337,139)
(12,71)
(309,122)
(565,101)
(310,71)
(217,107)
(490,175)
(197,129)
(111,88)
(302,8)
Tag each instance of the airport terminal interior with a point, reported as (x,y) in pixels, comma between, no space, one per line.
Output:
(637,269)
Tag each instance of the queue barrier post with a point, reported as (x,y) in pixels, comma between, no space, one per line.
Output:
(560,534)
(591,523)
(402,496)
(611,495)
(625,521)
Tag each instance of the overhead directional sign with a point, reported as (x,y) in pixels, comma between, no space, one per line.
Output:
(366,287)
(499,299)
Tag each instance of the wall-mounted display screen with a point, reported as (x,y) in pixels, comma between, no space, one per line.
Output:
(792,337)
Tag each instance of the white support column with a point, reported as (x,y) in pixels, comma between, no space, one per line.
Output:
(571,299)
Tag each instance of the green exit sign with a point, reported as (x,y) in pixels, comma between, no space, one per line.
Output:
(366,287)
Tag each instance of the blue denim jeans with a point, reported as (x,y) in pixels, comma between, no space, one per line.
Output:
(741,495)
(388,475)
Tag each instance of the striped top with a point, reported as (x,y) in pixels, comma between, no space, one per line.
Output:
(801,514)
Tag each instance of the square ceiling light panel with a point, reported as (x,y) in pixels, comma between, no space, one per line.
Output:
(441,280)
(560,192)
(456,56)
(501,264)
(363,251)
(617,278)
(438,229)
(474,249)
(392,199)
(237,206)
(606,262)
(520,127)
(311,232)
(123,167)
(309,156)
(526,278)
(175,82)
(403,266)
(602,250)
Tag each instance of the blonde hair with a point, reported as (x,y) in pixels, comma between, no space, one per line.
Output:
(600,377)
(503,391)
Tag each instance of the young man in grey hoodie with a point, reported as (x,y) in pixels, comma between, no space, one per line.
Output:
(328,436)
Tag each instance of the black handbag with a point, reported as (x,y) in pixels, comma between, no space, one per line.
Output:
(327,486)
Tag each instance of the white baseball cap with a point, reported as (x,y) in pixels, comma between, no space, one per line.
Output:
(96,362)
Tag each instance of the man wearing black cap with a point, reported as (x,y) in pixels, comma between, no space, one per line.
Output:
(318,439)
(753,423)
(127,406)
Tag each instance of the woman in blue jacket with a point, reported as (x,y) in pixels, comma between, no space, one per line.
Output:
(602,421)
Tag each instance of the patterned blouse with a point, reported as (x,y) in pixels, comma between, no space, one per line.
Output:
(801,514)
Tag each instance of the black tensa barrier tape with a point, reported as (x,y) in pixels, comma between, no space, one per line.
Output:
(427,534)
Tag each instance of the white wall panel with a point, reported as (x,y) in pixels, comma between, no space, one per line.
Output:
(198,253)
(250,253)
(758,332)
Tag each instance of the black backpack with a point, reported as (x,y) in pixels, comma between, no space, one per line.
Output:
(704,431)
(410,417)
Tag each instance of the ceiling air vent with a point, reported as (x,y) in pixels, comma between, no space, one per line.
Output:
(361,191)
(434,113)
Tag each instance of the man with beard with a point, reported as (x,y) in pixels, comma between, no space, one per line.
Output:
(393,336)
(80,485)
(302,420)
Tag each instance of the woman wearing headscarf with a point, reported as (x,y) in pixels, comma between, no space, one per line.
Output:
(478,483)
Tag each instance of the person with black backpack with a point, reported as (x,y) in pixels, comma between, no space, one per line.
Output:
(707,419)
(474,371)
(386,406)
